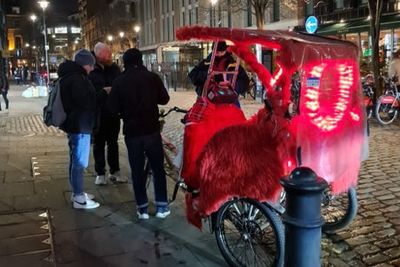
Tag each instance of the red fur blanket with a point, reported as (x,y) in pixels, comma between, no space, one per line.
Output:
(244,160)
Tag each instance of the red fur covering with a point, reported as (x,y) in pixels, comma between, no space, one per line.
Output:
(248,159)
(197,134)
(244,160)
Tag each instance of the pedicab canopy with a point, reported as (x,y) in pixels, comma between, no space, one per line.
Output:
(314,91)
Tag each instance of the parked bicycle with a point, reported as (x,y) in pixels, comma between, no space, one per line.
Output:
(387,105)
(368,87)
(170,150)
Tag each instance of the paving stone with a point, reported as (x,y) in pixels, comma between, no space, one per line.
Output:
(375,259)
(340,247)
(336,262)
(385,233)
(393,252)
(16,189)
(363,230)
(386,197)
(358,240)
(347,256)
(366,249)
(387,243)
(6,204)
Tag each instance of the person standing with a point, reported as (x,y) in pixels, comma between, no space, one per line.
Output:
(108,125)
(223,62)
(394,66)
(135,95)
(79,100)
(4,86)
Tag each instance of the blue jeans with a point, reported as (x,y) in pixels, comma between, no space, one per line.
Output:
(79,149)
(151,146)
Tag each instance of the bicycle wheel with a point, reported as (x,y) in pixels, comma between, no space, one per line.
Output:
(248,233)
(385,112)
(338,211)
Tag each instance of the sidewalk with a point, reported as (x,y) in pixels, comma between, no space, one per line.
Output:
(108,236)
(39,227)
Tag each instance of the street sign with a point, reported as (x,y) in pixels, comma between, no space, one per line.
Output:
(311,24)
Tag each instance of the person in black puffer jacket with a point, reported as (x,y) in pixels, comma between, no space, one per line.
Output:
(107,125)
(4,86)
(135,95)
(79,100)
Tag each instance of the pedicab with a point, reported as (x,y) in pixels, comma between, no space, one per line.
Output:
(313,116)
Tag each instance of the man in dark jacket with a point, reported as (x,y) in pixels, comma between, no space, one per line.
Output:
(79,101)
(4,86)
(135,95)
(108,124)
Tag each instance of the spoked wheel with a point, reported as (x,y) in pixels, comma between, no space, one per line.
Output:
(248,233)
(385,111)
(338,211)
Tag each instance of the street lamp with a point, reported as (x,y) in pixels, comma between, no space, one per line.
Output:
(44,4)
(110,38)
(33,18)
(137,30)
(121,34)
(212,11)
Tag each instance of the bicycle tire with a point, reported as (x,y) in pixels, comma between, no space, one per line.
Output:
(252,231)
(385,108)
(343,219)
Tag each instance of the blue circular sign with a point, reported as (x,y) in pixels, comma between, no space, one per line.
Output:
(311,24)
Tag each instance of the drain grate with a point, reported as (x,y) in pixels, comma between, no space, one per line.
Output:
(26,239)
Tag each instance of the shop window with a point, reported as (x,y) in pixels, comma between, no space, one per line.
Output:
(276,11)
(339,4)
(249,14)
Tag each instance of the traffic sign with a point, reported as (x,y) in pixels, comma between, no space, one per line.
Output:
(311,24)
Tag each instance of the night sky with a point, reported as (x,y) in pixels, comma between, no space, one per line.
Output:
(58,9)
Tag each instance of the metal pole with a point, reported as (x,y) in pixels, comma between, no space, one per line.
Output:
(45,48)
(302,218)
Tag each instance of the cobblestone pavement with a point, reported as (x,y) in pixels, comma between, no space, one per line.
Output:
(112,236)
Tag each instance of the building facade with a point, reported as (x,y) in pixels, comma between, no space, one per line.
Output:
(350,20)
(3,38)
(160,19)
(109,21)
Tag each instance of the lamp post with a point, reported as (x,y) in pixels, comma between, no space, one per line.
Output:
(44,4)
(213,20)
(33,18)
(137,30)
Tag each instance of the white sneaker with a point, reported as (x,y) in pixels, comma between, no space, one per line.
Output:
(89,196)
(82,202)
(100,180)
(142,216)
(162,213)
(117,178)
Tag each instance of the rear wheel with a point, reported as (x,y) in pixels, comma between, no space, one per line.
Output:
(249,233)
(385,111)
(338,211)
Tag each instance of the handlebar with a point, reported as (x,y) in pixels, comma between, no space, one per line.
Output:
(176,109)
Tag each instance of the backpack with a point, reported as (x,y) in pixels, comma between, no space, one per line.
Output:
(54,113)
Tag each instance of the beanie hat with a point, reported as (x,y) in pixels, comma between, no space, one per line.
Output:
(133,57)
(84,57)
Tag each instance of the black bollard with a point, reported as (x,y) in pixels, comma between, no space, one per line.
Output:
(302,218)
